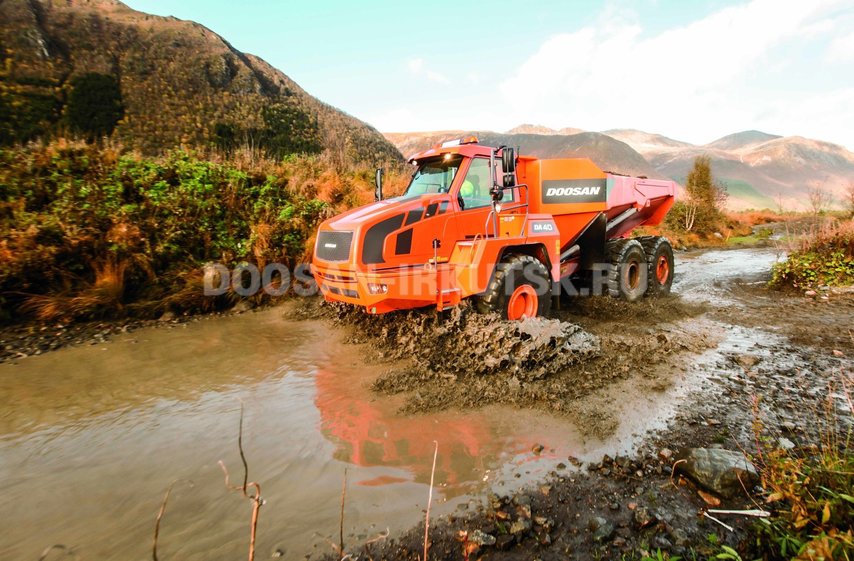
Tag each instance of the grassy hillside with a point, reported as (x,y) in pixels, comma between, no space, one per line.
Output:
(179,83)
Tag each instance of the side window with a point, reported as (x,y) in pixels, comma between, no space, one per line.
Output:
(475,187)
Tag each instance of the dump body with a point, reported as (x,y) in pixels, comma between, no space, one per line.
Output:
(436,248)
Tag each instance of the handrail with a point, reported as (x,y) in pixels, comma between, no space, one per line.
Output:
(493,216)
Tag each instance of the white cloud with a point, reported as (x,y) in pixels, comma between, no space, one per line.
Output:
(699,80)
(417,68)
(841,49)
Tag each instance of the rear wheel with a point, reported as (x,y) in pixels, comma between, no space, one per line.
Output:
(519,288)
(659,257)
(629,273)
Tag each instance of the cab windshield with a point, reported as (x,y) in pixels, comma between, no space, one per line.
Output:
(434,175)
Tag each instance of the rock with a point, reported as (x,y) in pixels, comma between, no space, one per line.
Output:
(504,541)
(643,518)
(665,454)
(520,526)
(785,444)
(167,316)
(561,465)
(680,537)
(523,511)
(747,361)
(537,449)
(837,353)
(602,529)
(480,538)
(810,293)
(660,542)
(723,472)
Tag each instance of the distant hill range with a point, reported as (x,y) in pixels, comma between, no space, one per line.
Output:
(760,170)
(181,84)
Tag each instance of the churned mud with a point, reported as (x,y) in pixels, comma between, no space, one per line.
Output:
(564,364)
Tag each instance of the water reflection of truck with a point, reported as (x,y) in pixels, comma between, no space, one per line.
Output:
(370,433)
(478,221)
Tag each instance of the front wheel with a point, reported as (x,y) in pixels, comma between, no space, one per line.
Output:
(519,288)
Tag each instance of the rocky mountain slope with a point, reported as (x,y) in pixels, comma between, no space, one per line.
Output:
(608,153)
(760,170)
(181,83)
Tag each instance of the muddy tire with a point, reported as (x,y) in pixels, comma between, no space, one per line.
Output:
(520,287)
(628,274)
(659,258)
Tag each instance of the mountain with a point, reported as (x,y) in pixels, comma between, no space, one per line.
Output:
(760,170)
(742,139)
(645,143)
(539,129)
(180,83)
(608,153)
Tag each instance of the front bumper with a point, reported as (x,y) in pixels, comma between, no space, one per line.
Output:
(387,290)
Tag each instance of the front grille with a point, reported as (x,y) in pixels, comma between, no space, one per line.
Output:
(343,291)
(334,246)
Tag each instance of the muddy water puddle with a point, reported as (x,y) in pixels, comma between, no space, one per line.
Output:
(90,438)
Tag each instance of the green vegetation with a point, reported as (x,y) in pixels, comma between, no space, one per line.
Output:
(744,191)
(758,237)
(94,105)
(92,232)
(824,256)
(809,493)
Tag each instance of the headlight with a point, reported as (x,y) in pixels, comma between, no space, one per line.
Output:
(377,288)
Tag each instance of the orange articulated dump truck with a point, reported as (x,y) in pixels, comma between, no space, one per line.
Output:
(511,231)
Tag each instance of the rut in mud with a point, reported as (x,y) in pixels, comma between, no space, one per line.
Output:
(464,359)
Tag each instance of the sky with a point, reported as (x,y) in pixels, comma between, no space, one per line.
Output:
(693,70)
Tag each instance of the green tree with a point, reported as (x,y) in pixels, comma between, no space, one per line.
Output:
(701,209)
(94,105)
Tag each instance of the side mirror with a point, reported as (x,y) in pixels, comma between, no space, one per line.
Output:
(378,193)
(508,160)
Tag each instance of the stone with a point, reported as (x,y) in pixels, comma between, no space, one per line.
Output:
(643,518)
(723,472)
(680,537)
(810,293)
(665,454)
(602,529)
(838,354)
(167,316)
(504,541)
(785,444)
(480,538)
(537,449)
(520,526)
